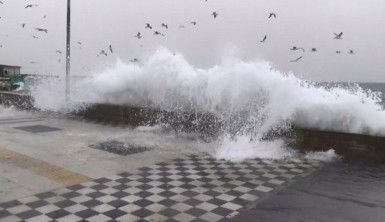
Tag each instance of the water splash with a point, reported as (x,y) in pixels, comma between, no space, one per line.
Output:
(251,98)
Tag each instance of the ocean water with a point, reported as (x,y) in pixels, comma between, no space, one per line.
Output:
(374,87)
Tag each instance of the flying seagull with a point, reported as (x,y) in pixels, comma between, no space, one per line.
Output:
(297,59)
(79,44)
(112,51)
(103,52)
(351,52)
(134,60)
(58,52)
(35,37)
(42,30)
(338,36)
(138,35)
(338,52)
(295,48)
(165,25)
(215,14)
(272,14)
(148,26)
(193,23)
(158,33)
(264,39)
(31,5)
(314,49)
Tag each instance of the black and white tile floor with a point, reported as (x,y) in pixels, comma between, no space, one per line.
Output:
(194,188)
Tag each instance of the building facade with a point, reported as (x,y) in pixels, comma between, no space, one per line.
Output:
(7,70)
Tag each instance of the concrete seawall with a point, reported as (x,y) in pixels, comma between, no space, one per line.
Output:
(350,146)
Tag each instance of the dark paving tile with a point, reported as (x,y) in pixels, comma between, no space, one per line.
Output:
(58,214)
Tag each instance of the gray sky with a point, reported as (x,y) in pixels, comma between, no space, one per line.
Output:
(241,24)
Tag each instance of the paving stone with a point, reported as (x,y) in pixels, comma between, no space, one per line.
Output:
(193,188)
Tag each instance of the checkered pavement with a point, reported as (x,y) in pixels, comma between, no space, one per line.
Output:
(193,188)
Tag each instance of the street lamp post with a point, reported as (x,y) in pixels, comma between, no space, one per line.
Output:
(68,52)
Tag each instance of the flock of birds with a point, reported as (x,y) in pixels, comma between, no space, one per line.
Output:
(165,26)
(295,48)
(272,15)
(337,36)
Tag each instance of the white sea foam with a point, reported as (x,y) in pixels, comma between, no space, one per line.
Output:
(241,148)
(326,156)
(262,99)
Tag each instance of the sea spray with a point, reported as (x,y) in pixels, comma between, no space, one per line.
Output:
(250,98)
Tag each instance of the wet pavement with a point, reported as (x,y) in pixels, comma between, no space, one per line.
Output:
(336,192)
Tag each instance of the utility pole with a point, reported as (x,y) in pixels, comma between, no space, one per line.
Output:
(68,52)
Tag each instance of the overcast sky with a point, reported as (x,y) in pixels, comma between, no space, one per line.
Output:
(238,28)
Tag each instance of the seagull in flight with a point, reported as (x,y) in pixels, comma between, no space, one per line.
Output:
(338,52)
(148,26)
(110,47)
(138,35)
(165,25)
(134,60)
(215,14)
(338,36)
(193,22)
(264,39)
(314,49)
(351,52)
(42,30)
(158,33)
(103,52)
(295,48)
(80,45)
(58,52)
(297,59)
(35,37)
(272,14)
(31,5)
